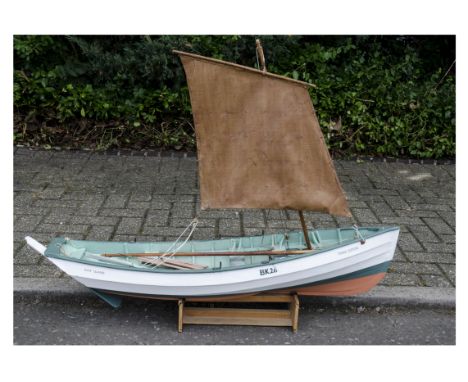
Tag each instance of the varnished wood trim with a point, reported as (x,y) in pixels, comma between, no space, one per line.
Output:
(225,253)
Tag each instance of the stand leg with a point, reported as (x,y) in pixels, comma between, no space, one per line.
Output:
(294,307)
(181,315)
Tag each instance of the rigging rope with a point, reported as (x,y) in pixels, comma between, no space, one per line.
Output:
(194,224)
(169,253)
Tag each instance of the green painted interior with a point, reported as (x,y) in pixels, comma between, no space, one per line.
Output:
(322,240)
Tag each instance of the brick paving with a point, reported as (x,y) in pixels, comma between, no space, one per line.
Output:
(92,196)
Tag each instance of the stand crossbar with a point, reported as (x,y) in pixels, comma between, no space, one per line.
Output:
(235,316)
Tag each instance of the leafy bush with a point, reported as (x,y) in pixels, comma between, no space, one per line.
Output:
(375,95)
(385,104)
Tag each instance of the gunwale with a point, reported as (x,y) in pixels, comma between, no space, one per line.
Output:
(53,251)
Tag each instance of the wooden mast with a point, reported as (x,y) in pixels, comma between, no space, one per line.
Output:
(261,56)
(304,229)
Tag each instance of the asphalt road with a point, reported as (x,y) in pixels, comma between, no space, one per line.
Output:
(140,322)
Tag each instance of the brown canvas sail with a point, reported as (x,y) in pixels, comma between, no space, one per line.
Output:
(259,142)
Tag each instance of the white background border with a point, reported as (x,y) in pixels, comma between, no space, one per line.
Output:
(233,17)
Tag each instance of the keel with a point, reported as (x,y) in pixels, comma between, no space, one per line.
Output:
(114,301)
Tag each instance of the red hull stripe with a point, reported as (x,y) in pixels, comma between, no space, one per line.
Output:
(340,288)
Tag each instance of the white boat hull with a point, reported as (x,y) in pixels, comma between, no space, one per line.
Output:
(302,271)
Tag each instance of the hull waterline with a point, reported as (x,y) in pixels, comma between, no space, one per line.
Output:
(351,287)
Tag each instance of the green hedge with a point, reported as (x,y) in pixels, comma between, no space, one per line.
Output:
(375,95)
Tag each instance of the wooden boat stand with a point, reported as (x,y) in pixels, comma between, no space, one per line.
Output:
(234,316)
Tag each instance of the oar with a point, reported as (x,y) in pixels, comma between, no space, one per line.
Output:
(245,253)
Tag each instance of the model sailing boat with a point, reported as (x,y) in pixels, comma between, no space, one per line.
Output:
(259,146)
